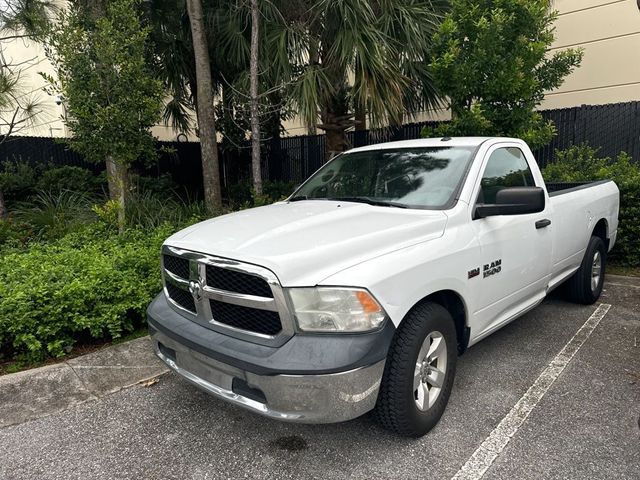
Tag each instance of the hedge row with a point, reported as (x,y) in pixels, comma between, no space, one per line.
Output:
(89,285)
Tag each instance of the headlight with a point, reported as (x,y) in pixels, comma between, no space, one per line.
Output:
(330,309)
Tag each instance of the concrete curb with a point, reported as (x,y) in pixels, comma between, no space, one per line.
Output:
(42,391)
(622,280)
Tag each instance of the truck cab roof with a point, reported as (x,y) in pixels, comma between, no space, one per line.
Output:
(435,142)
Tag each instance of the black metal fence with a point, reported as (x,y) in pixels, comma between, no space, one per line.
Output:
(612,128)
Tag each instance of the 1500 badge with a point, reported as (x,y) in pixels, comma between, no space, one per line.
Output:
(492,268)
(488,269)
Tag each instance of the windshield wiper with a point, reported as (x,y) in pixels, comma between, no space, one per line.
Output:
(370,201)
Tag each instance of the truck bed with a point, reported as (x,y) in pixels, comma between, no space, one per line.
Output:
(560,188)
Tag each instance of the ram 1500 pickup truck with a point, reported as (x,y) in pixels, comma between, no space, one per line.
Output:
(361,289)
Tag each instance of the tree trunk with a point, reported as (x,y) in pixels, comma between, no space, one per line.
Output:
(335,126)
(335,122)
(3,207)
(361,118)
(314,59)
(117,179)
(255,114)
(360,110)
(206,118)
(336,142)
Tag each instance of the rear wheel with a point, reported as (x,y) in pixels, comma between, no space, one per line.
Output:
(419,372)
(585,286)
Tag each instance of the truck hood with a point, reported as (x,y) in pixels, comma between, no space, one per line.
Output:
(306,242)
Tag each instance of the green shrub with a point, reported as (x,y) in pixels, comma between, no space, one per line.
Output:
(88,285)
(76,179)
(150,210)
(276,191)
(52,215)
(17,180)
(583,163)
(164,185)
(13,232)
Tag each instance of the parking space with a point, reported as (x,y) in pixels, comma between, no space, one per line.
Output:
(585,426)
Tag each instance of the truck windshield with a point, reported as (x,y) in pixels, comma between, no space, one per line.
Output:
(426,177)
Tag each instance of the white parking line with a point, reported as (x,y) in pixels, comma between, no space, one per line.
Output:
(480,461)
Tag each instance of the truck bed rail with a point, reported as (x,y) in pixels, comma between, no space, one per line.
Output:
(559,188)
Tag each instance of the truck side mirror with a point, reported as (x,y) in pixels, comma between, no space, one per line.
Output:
(513,201)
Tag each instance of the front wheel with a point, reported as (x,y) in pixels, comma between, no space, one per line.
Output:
(585,286)
(419,372)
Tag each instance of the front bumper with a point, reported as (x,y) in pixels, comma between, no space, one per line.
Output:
(310,379)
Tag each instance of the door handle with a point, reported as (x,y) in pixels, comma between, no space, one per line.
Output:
(543,223)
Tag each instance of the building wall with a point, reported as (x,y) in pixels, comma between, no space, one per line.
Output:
(50,123)
(609,33)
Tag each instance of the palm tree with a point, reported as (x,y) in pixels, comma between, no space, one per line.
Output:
(206,117)
(256,169)
(235,83)
(327,59)
(385,46)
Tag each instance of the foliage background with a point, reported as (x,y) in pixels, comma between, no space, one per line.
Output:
(88,285)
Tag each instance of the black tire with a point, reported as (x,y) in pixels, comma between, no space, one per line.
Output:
(579,286)
(397,408)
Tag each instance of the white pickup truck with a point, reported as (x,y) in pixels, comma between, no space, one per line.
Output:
(360,290)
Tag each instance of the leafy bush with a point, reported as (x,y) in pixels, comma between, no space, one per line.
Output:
(162,185)
(275,191)
(150,210)
(13,232)
(77,179)
(52,215)
(20,181)
(17,180)
(88,285)
(583,163)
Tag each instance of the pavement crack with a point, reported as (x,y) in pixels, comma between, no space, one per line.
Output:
(93,394)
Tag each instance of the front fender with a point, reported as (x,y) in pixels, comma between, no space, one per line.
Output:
(401,279)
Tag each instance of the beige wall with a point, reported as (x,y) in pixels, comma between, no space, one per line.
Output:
(19,51)
(50,123)
(609,33)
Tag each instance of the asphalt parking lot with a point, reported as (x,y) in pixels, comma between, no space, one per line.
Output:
(585,426)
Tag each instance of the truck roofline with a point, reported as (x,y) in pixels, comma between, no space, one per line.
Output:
(436,142)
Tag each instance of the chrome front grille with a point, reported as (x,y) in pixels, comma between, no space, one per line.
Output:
(235,298)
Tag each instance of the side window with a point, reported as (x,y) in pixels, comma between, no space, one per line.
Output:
(507,167)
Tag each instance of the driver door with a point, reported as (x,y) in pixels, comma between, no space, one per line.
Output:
(515,252)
